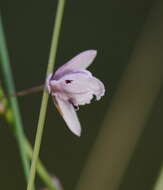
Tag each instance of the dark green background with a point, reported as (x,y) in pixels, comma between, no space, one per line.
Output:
(111,27)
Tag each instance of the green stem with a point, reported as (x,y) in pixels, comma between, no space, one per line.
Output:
(7,113)
(40,168)
(41,121)
(6,69)
(43,173)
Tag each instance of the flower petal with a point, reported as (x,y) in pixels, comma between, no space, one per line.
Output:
(79,62)
(69,115)
(81,88)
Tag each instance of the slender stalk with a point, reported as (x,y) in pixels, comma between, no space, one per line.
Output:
(7,113)
(26,91)
(40,168)
(6,69)
(41,121)
(9,116)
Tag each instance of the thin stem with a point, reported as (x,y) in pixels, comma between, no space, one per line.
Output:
(26,91)
(40,168)
(6,69)
(7,113)
(41,121)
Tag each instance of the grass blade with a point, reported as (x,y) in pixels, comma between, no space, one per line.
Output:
(41,121)
(6,69)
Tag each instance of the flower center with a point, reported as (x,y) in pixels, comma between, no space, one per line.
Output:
(68,81)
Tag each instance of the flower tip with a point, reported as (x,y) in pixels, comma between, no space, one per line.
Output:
(93,52)
(77,132)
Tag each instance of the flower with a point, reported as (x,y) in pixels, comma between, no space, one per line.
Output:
(72,85)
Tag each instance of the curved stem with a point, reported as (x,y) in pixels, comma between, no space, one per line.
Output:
(40,168)
(41,121)
(6,69)
(7,113)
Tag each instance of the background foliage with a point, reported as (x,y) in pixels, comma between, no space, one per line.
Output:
(111,27)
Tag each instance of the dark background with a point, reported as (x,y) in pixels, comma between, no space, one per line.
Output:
(111,27)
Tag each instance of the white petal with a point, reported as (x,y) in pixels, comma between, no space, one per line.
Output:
(82,87)
(69,115)
(79,62)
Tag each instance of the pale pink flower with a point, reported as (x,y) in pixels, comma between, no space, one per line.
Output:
(72,85)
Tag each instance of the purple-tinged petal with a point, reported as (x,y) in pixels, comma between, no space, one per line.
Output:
(72,85)
(69,115)
(79,62)
(80,88)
